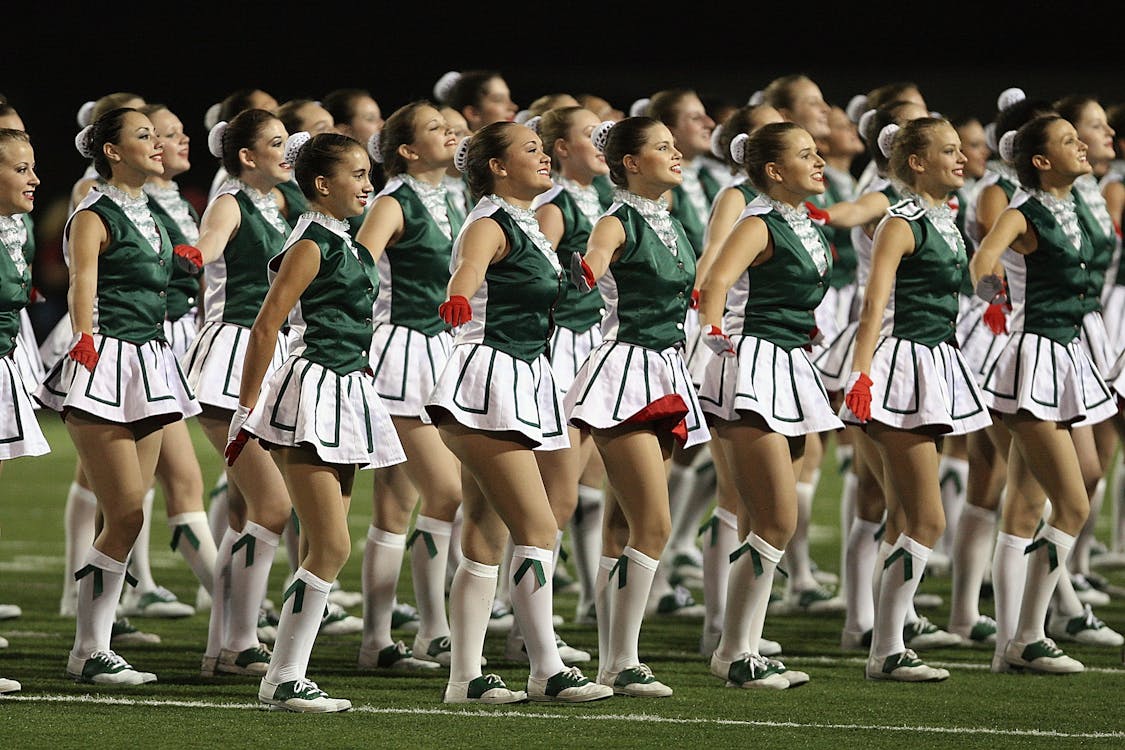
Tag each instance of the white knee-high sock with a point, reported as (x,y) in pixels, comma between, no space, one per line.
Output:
(902,571)
(629,588)
(454,554)
(720,539)
(78,523)
(1046,562)
(1084,544)
(1009,575)
(99,587)
(532,599)
(1066,601)
(972,545)
(301,612)
(861,553)
(139,561)
(218,512)
(292,533)
(797,557)
(586,541)
(847,517)
(429,551)
(954,474)
(470,605)
(681,482)
(382,564)
(251,559)
(702,496)
(748,595)
(602,594)
(220,594)
(881,555)
(191,536)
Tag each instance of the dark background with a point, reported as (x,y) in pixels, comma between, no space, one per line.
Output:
(189,57)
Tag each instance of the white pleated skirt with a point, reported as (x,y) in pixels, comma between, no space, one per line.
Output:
(406,364)
(834,360)
(782,387)
(130,383)
(486,389)
(622,383)
(180,333)
(917,387)
(19,429)
(569,349)
(213,363)
(26,357)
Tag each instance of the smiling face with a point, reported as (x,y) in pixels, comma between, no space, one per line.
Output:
(18,180)
(656,163)
(975,148)
(434,140)
(578,159)
(138,149)
(345,191)
(940,168)
(266,157)
(1094,130)
(170,134)
(525,168)
(692,127)
(799,171)
(1065,153)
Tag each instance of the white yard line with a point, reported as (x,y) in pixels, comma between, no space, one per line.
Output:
(971,666)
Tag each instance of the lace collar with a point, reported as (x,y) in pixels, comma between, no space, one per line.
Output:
(1062,209)
(586,196)
(655,214)
(941,216)
(526,221)
(13,235)
(338,227)
(798,220)
(265,203)
(174,204)
(136,210)
(433,199)
(1005,170)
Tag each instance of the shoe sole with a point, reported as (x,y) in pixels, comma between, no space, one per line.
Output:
(271,705)
(570,699)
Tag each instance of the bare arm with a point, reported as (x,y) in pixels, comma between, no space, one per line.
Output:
(551,222)
(298,268)
(1010,230)
(745,243)
(88,238)
(219,223)
(483,244)
(382,227)
(1115,202)
(724,213)
(863,210)
(991,202)
(604,244)
(893,241)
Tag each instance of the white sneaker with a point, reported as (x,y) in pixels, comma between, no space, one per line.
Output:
(568,686)
(337,595)
(3,642)
(488,688)
(396,656)
(817,600)
(124,633)
(299,696)
(1083,628)
(10,611)
(404,617)
(924,634)
(851,640)
(515,648)
(796,678)
(106,668)
(680,603)
(903,667)
(981,633)
(160,602)
(1041,656)
(9,686)
(1086,593)
(636,682)
(251,661)
(766,647)
(750,671)
(339,622)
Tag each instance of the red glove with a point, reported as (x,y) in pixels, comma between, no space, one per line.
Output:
(718,342)
(236,436)
(35,297)
(858,398)
(82,351)
(580,274)
(455,311)
(996,318)
(188,258)
(816,338)
(694,299)
(817,214)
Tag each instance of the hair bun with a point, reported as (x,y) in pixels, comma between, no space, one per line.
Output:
(444,86)
(522,117)
(738,148)
(211,116)
(640,107)
(1007,146)
(756,99)
(215,138)
(1008,97)
(533,123)
(990,137)
(82,142)
(717,142)
(600,134)
(886,139)
(86,114)
(864,123)
(294,144)
(857,106)
(375,146)
(461,155)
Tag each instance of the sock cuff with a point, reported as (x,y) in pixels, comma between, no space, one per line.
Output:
(885,547)
(954,464)
(86,495)
(982,514)
(1011,540)
(765,549)
(312,581)
(640,558)
(868,527)
(726,517)
(1058,537)
(480,570)
(917,550)
(433,525)
(590,495)
(533,553)
(181,519)
(376,535)
(844,453)
(558,539)
(105,562)
(808,489)
(606,563)
(261,533)
(150,496)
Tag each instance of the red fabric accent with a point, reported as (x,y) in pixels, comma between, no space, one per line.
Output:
(669,412)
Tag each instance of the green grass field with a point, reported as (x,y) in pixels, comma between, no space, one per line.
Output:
(838,709)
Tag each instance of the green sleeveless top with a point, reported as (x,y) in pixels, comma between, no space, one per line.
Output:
(414,272)
(512,308)
(647,290)
(237,282)
(575,311)
(605,189)
(682,209)
(15,283)
(331,322)
(184,286)
(775,301)
(840,240)
(295,201)
(1103,247)
(1058,275)
(927,290)
(133,276)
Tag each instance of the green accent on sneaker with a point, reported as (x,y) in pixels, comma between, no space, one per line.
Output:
(907,562)
(568,678)
(633,676)
(103,662)
(400,618)
(99,581)
(621,568)
(184,530)
(1052,551)
(534,565)
(438,646)
(809,597)
(478,686)
(744,670)
(428,538)
(246,541)
(393,654)
(1041,649)
(297,591)
(983,630)
(894,661)
(712,525)
(302,689)
(254,655)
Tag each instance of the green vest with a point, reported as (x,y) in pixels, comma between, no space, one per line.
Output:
(649,288)
(1103,247)
(132,277)
(414,272)
(15,290)
(237,283)
(575,311)
(775,301)
(295,201)
(332,318)
(1058,277)
(927,291)
(605,189)
(685,213)
(184,287)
